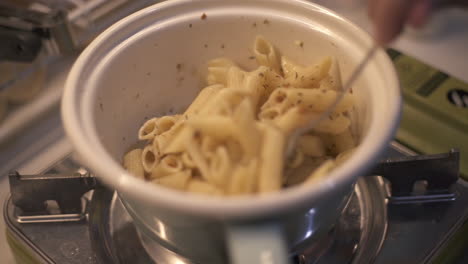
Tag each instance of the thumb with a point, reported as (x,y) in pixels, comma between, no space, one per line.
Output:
(389,19)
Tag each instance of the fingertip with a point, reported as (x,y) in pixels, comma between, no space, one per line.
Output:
(382,38)
(389,21)
(419,14)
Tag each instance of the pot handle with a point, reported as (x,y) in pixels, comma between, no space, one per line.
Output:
(256,243)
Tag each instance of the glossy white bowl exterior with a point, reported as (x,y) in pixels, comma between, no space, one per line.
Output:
(129,72)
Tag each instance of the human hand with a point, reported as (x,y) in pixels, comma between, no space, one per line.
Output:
(390,16)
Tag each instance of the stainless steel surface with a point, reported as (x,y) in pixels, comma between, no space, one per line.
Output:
(54,242)
(50,197)
(435,174)
(356,237)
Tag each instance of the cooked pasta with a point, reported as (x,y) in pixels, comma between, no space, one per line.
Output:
(149,158)
(168,165)
(266,54)
(232,139)
(132,162)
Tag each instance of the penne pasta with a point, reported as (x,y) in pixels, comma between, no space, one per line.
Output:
(148,130)
(345,155)
(341,142)
(316,100)
(199,160)
(243,180)
(244,117)
(165,123)
(177,141)
(187,160)
(231,140)
(218,127)
(169,164)
(132,163)
(149,158)
(333,79)
(305,77)
(217,71)
(333,124)
(266,54)
(296,160)
(201,99)
(320,172)
(220,167)
(163,140)
(201,187)
(295,119)
(178,180)
(311,146)
(271,160)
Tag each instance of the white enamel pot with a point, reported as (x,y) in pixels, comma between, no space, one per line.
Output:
(130,72)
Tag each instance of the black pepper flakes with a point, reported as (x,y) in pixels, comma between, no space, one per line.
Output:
(179,67)
(297,75)
(261,74)
(203,16)
(254,24)
(252,58)
(222,46)
(266,22)
(190,25)
(101,106)
(206,46)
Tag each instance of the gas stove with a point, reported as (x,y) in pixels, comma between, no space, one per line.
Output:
(416,213)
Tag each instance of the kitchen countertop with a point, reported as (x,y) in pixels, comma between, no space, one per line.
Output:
(445,49)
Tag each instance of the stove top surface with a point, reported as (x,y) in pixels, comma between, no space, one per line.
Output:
(372,229)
